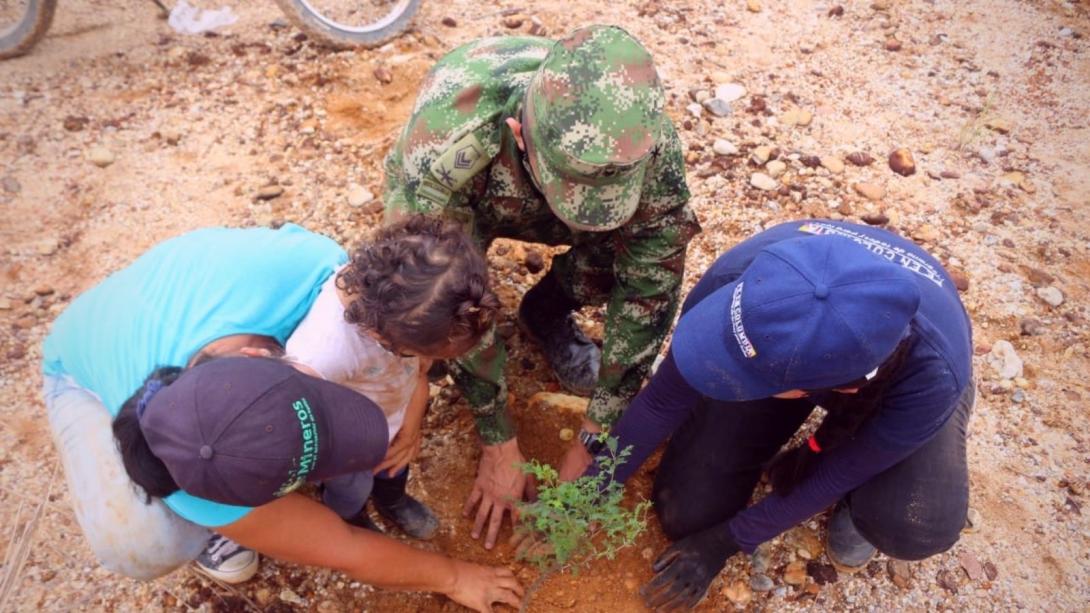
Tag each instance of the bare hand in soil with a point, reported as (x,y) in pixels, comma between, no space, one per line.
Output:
(500,483)
(530,544)
(576,461)
(404,449)
(478,587)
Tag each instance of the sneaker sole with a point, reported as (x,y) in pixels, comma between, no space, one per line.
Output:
(241,575)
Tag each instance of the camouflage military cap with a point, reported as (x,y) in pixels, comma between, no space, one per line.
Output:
(592,116)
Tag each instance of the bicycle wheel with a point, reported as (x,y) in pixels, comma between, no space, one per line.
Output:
(350,23)
(22,24)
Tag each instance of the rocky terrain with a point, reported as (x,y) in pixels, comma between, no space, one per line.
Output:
(961,124)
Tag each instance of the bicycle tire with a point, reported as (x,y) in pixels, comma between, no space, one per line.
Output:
(29,30)
(331,34)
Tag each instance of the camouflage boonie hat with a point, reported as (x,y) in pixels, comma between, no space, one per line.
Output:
(592,116)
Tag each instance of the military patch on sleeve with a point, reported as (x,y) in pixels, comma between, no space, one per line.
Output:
(431,190)
(465,158)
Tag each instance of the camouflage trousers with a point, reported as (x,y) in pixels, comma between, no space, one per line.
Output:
(585,275)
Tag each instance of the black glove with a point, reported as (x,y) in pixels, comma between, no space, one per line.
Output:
(685,570)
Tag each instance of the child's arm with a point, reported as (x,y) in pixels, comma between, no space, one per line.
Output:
(406,445)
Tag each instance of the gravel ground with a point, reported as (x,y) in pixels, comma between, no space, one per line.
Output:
(117,133)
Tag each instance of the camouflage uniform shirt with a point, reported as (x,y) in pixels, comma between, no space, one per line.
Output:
(457,157)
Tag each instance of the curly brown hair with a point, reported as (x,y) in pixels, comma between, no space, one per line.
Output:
(421,285)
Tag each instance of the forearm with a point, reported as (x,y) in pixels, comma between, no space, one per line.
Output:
(655,414)
(418,403)
(842,470)
(479,374)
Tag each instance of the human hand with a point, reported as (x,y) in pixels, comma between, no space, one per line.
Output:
(404,449)
(685,570)
(478,587)
(577,459)
(499,485)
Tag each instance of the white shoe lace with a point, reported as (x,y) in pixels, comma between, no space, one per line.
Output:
(220,547)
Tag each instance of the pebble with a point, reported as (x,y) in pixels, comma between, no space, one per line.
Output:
(647,553)
(860,158)
(775,168)
(47,246)
(359,195)
(881,5)
(738,593)
(761,155)
(876,219)
(291,597)
(566,434)
(11,185)
(717,107)
(795,573)
(1031,327)
(534,261)
(810,161)
(5,304)
(100,156)
(449,22)
(990,571)
(902,163)
(998,124)
(383,75)
(972,567)
(1004,360)
(900,573)
(753,6)
(1051,294)
(822,573)
(832,163)
(722,146)
(764,182)
(870,191)
(43,290)
(695,109)
(761,583)
(926,233)
(730,92)
(961,279)
(760,560)
(269,192)
(892,44)
(947,581)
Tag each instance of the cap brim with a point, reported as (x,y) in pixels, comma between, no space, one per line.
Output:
(357,426)
(573,200)
(710,358)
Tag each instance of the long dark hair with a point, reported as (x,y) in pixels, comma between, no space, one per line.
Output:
(846,414)
(420,284)
(144,467)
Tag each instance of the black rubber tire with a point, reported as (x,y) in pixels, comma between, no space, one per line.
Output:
(329,34)
(30,29)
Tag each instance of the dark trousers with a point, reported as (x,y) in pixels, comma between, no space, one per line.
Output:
(913,510)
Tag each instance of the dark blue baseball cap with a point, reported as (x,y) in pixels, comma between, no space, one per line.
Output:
(808,313)
(246,430)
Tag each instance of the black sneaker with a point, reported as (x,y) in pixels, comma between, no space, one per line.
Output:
(227,561)
(847,549)
(413,517)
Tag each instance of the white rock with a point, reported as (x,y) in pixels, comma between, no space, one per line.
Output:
(762,181)
(775,168)
(359,195)
(1051,295)
(1005,361)
(100,156)
(722,146)
(695,109)
(730,92)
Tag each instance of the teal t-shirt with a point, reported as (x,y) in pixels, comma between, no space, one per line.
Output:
(177,298)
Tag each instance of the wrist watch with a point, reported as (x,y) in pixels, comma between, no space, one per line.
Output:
(592,441)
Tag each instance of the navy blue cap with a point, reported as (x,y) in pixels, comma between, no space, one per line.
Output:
(808,313)
(246,430)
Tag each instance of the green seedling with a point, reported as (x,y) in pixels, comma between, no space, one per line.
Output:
(577,522)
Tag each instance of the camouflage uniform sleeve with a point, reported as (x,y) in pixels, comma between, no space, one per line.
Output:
(649,267)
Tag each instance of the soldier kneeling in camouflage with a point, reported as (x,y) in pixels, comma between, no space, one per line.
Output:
(562,143)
